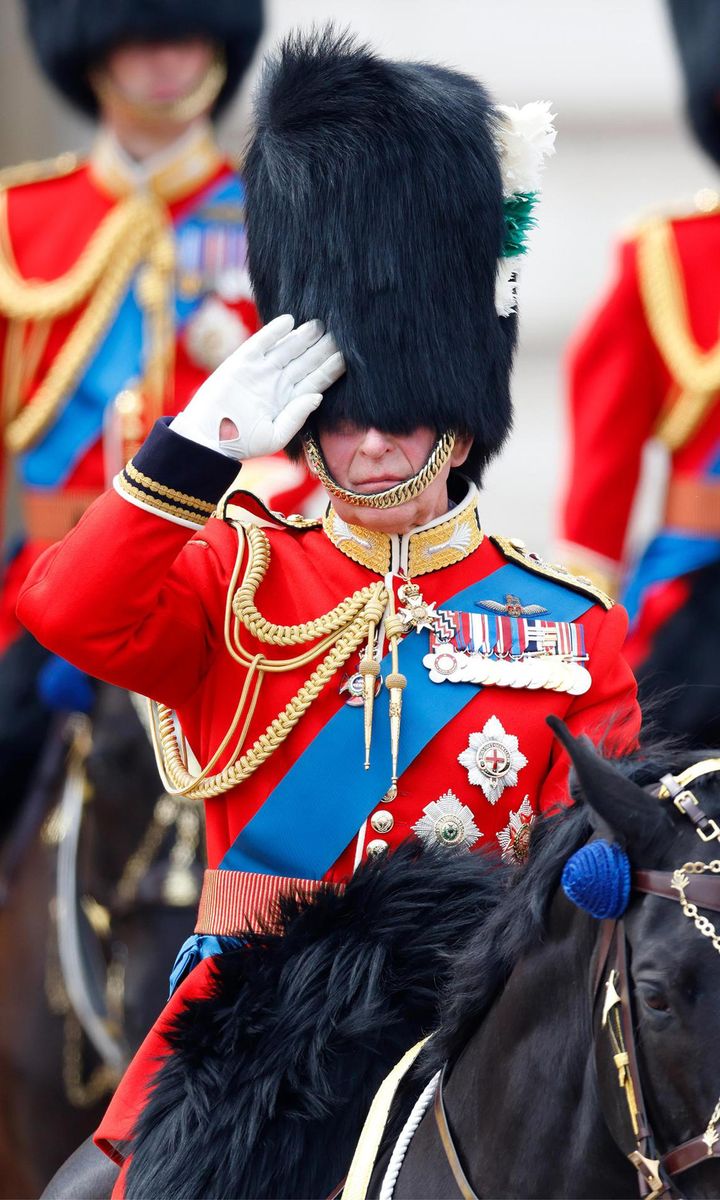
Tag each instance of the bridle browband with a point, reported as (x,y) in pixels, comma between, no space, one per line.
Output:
(694,885)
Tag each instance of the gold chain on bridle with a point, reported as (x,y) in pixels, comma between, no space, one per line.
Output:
(680,881)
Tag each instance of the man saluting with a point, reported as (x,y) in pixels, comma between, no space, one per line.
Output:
(383,673)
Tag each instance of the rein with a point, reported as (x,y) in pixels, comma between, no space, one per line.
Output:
(694,885)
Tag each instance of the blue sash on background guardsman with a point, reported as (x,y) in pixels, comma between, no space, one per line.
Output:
(670,554)
(118,361)
(337,795)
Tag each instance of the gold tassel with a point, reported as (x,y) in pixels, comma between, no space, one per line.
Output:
(396,682)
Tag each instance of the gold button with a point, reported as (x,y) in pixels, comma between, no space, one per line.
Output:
(382,821)
(376,847)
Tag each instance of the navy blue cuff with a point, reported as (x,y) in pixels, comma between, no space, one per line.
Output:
(176,476)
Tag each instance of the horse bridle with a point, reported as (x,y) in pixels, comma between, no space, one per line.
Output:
(694,885)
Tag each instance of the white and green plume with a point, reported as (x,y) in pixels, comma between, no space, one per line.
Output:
(526,137)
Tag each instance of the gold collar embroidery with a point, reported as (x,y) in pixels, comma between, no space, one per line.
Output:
(174,173)
(442,542)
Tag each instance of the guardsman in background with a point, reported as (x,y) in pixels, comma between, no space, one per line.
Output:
(122,284)
(380,676)
(648,366)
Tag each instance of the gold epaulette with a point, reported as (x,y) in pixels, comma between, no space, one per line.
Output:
(232,509)
(35,172)
(516,551)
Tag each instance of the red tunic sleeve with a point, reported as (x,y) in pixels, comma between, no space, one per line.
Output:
(126,596)
(617,384)
(608,713)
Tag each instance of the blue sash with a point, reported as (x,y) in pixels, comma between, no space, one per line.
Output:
(117,362)
(319,805)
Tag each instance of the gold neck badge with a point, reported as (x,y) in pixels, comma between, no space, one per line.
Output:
(445,541)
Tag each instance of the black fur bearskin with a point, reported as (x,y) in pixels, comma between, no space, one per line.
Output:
(272,1076)
(696,24)
(70,36)
(374,202)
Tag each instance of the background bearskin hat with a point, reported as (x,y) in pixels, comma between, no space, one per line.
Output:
(374,202)
(696,24)
(70,36)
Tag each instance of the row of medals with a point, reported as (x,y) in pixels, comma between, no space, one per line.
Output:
(549,671)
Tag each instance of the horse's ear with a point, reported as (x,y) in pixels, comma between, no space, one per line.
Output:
(615,804)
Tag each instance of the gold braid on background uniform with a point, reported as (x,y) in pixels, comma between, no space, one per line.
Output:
(339,632)
(403,492)
(696,372)
(135,235)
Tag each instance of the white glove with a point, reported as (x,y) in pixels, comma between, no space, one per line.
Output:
(267,389)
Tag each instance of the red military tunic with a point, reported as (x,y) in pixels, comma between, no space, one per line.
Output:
(149,615)
(48,227)
(645,366)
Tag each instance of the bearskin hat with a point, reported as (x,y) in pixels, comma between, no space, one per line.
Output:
(70,36)
(696,24)
(375,202)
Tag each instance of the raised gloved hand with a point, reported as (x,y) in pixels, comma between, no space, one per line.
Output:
(266,390)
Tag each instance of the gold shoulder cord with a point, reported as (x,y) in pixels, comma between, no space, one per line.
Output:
(696,371)
(134,233)
(340,632)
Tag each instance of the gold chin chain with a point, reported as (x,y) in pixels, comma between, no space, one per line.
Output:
(134,235)
(193,104)
(336,634)
(408,490)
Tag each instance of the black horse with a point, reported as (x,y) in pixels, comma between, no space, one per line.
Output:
(536,1089)
(137,878)
(271,1075)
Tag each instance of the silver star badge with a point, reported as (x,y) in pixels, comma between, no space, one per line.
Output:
(447,823)
(492,759)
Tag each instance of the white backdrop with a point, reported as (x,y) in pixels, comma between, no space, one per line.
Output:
(609,68)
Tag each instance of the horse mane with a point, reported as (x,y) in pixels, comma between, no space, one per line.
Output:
(484,964)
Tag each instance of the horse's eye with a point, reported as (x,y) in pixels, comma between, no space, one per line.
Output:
(655,1000)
